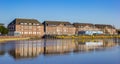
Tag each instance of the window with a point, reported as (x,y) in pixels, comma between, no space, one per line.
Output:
(30,27)
(30,32)
(81,26)
(58,30)
(25,27)
(37,24)
(21,32)
(25,23)
(35,29)
(21,23)
(25,32)
(38,32)
(30,23)
(34,24)
(21,26)
(51,25)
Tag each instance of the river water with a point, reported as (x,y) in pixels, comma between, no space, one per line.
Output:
(61,51)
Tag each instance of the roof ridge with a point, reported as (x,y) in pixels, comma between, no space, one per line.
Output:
(58,21)
(24,19)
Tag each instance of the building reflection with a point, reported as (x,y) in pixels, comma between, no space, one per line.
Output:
(2,51)
(93,45)
(27,49)
(32,49)
(59,46)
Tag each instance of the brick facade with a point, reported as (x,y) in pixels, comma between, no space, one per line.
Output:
(26,27)
(32,27)
(107,29)
(58,28)
(85,27)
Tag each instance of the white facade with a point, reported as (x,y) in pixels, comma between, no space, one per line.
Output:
(89,32)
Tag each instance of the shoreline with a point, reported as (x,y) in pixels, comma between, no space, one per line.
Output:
(7,38)
(84,37)
(13,39)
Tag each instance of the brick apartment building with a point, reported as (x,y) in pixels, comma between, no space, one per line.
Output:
(26,27)
(85,27)
(58,28)
(107,29)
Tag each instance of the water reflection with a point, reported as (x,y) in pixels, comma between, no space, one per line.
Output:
(2,52)
(27,49)
(34,48)
(94,45)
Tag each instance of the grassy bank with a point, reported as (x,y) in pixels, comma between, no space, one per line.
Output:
(12,39)
(6,38)
(87,37)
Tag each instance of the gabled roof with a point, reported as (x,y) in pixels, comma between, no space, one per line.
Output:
(104,25)
(57,22)
(82,24)
(17,21)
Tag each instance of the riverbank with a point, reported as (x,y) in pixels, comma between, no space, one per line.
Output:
(12,38)
(85,37)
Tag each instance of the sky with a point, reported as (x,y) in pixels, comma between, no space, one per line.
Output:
(82,11)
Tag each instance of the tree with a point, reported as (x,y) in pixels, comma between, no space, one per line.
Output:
(3,30)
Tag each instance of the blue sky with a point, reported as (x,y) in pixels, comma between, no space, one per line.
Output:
(84,11)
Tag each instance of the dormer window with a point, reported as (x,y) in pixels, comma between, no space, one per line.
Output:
(51,25)
(80,26)
(30,23)
(34,24)
(25,23)
(37,24)
(21,23)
